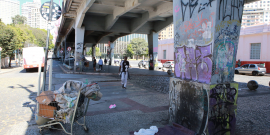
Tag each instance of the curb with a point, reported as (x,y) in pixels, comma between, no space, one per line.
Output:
(11,70)
(85,73)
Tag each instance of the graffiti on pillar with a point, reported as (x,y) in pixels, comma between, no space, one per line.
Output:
(222,107)
(230,10)
(79,47)
(194,62)
(189,104)
(227,32)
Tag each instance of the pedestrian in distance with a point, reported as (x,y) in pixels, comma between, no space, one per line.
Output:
(94,63)
(123,72)
(105,61)
(100,63)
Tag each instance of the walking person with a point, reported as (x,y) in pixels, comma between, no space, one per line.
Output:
(123,71)
(100,63)
(105,61)
(94,63)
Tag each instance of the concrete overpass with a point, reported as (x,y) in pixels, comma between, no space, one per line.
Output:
(86,23)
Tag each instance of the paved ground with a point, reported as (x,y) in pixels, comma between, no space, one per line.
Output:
(141,105)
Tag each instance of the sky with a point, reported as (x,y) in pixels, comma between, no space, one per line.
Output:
(42,1)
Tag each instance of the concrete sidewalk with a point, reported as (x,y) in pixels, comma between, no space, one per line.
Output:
(114,70)
(13,67)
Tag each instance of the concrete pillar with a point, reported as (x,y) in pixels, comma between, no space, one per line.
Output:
(93,51)
(203,96)
(111,53)
(153,50)
(79,41)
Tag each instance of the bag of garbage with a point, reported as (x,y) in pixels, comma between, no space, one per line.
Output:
(151,131)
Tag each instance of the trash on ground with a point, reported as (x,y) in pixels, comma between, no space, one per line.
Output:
(112,106)
(60,104)
(151,131)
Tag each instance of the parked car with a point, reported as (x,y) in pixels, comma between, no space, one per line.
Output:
(159,64)
(143,63)
(169,64)
(70,59)
(254,69)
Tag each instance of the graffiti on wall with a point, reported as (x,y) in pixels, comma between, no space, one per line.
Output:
(189,104)
(227,31)
(230,10)
(222,108)
(194,62)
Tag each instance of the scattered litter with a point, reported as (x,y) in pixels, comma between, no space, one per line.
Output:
(112,106)
(151,131)
(60,104)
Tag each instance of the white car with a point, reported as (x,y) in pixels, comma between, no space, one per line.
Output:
(169,64)
(159,65)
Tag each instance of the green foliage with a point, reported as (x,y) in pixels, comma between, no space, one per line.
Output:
(7,40)
(14,36)
(139,46)
(89,52)
(97,52)
(19,19)
(129,52)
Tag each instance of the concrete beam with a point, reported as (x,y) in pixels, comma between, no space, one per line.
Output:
(82,10)
(113,39)
(160,25)
(161,9)
(119,11)
(102,36)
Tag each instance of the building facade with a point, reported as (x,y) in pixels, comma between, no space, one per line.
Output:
(31,10)
(167,33)
(9,9)
(253,46)
(36,19)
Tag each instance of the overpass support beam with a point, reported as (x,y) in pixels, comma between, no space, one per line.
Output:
(93,51)
(153,50)
(79,41)
(111,53)
(203,96)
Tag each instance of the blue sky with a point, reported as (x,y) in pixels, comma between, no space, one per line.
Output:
(42,1)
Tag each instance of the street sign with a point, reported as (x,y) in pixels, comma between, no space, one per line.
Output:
(69,48)
(45,11)
(61,51)
(0,48)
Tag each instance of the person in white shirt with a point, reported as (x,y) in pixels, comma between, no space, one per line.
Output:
(100,63)
(123,71)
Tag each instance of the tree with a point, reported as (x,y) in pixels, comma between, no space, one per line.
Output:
(139,46)
(8,41)
(97,52)
(130,52)
(19,19)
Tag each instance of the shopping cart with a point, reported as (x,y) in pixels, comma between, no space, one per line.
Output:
(50,117)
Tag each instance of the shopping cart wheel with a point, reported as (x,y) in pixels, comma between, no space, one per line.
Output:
(85,128)
(40,131)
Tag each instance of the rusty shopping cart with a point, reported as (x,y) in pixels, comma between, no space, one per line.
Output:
(53,111)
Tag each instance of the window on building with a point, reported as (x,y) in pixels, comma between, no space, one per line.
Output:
(164,54)
(255,51)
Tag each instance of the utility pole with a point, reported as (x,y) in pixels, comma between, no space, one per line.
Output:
(47,44)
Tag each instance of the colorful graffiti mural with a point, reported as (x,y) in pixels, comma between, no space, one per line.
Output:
(222,107)
(194,63)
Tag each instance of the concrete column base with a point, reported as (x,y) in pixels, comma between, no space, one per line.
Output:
(203,108)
